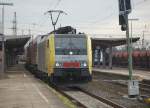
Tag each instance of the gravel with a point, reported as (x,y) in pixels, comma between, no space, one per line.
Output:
(102,86)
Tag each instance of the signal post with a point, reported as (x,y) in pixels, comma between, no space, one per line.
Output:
(124,10)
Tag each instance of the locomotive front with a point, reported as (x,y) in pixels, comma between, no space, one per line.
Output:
(71,56)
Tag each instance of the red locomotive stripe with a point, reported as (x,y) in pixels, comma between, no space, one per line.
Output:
(71,64)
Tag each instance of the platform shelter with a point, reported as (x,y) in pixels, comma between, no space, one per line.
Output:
(102,50)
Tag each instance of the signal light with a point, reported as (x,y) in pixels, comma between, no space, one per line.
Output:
(125,4)
(128,5)
(122,20)
(123,27)
(124,10)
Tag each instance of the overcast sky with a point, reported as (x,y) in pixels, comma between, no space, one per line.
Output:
(89,16)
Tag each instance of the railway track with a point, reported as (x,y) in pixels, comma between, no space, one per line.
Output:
(60,90)
(82,98)
(85,99)
(142,86)
(145,85)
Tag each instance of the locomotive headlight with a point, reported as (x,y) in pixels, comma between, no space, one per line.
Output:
(84,64)
(58,64)
(70,52)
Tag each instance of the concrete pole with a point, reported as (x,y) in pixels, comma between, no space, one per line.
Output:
(129,50)
(3,38)
(104,59)
(15,25)
(133,19)
(93,56)
(3,42)
(110,57)
(99,57)
(22,32)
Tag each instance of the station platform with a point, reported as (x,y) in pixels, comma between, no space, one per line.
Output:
(124,71)
(19,89)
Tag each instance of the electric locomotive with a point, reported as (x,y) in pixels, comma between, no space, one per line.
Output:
(64,55)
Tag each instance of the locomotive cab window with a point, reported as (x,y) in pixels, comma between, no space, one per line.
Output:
(76,45)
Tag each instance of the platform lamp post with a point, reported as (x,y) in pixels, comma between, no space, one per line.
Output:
(3,36)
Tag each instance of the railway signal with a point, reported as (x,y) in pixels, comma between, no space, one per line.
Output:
(124,10)
(124,6)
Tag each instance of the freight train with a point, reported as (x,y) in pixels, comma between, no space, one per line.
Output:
(0,57)
(141,59)
(61,54)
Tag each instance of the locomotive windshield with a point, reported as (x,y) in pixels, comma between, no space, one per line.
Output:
(75,45)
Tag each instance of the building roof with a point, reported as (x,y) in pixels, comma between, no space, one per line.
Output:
(15,41)
(106,42)
(20,41)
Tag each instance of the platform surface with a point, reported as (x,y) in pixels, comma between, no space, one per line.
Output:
(123,71)
(19,89)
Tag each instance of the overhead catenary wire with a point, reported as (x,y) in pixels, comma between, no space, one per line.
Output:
(57,4)
(99,21)
(139,3)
